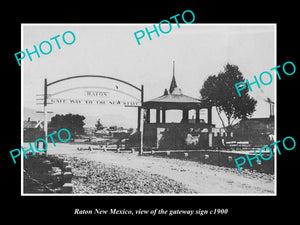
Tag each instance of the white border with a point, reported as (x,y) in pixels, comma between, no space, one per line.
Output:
(134,24)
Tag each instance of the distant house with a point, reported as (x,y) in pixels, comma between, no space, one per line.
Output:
(112,128)
(33,130)
(89,131)
(121,133)
(102,133)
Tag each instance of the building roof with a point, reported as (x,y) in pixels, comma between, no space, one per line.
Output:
(33,124)
(29,124)
(102,132)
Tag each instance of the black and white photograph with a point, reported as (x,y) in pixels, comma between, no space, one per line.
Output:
(149,111)
(131,109)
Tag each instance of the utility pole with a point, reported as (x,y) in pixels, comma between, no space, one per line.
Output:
(142,121)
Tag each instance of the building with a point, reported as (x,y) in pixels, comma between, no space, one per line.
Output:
(33,130)
(254,130)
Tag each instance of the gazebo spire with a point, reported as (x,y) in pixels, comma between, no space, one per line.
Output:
(173,82)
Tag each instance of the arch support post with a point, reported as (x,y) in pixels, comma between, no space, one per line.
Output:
(142,121)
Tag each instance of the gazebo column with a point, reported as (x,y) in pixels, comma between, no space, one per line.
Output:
(185,115)
(197,115)
(147,115)
(163,116)
(209,115)
(210,134)
(157,115)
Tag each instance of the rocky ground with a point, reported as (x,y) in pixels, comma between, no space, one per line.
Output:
(92,177)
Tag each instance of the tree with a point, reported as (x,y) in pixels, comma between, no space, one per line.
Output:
(98,125)
(219,91)
(74,123)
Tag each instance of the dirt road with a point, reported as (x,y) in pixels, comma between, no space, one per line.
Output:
(201,178)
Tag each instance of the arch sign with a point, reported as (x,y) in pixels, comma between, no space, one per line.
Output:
(95,95)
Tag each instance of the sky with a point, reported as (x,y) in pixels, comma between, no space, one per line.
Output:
(199,50)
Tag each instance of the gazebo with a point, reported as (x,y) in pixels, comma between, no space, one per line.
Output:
(174,99)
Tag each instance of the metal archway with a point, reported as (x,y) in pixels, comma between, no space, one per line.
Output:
(140,108)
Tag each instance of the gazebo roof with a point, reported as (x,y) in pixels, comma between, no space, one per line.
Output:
(173,99)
